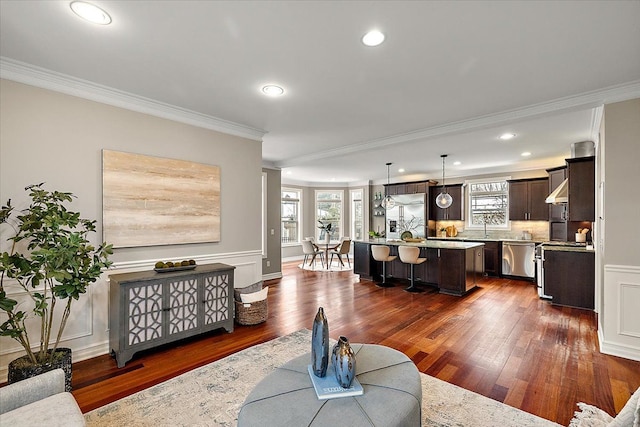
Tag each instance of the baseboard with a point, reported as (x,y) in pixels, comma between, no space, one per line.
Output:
(270,276)
(613,349)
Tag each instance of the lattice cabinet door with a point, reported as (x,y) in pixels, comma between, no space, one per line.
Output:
(217,294)
(182,305)
(147,309)
(144,304)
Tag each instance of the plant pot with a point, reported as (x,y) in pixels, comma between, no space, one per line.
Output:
(21,368)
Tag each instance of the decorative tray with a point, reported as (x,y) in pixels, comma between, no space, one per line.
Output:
(169,269)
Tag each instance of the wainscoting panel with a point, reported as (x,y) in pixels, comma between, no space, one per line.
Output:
(620,335)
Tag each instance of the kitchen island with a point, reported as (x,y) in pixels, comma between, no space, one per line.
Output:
(453,267)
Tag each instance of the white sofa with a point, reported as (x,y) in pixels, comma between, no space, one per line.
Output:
(40,400)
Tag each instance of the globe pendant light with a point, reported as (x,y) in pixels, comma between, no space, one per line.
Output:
(444,199)
(388,202)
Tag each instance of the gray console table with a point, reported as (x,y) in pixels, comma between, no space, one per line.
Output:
(148,309)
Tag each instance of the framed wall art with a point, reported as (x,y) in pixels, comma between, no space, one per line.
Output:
(148,201)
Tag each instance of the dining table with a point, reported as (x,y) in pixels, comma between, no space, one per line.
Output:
(326,247)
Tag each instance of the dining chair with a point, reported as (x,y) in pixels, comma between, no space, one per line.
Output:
(310,251)
(343,249)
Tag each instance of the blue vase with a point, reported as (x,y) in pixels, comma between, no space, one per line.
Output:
(320,344)
(344,362)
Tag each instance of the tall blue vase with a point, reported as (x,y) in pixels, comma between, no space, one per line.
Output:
(320,344)
(344,362)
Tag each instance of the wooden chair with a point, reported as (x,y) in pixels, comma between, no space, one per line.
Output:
(409,255)
(343,249)
(381,253)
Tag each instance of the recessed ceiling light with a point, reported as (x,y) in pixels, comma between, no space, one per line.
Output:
(401,170)
(457,163)
(272,90)
(373,38)
(525,154)
(507,136)
(90,12)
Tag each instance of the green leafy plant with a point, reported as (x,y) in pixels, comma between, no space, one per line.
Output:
(55,263)
(326,227)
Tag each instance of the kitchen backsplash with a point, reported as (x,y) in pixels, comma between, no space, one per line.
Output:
(539,230)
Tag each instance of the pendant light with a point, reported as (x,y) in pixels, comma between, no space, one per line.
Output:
(444,199)
(388,202)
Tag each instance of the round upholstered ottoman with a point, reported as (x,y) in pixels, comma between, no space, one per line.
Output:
(286,397)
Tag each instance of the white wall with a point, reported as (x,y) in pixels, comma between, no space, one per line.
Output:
(619,209)
(50,137)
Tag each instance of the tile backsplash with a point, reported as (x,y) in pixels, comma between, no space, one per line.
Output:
(539,230)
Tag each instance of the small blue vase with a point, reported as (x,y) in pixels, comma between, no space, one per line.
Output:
(344,362)
(320,344)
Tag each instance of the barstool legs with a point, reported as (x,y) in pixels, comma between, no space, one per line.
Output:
(412,288)
(384,283)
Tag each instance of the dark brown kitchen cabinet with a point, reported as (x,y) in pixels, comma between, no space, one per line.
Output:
(460,270)
(569,278)
(428,271)
(556,177)
(582,185)
(527,199)
(394,189)
(492,258)
(455,212)
(416,187)
(363,262)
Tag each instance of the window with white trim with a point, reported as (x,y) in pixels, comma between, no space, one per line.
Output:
(488,204)
(328,206)
(290,215)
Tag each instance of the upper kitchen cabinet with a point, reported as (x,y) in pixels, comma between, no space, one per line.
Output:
(582,189)
(455,212)
(527,199)
(556,177)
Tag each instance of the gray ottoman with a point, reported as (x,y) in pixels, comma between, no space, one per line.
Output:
(392,394)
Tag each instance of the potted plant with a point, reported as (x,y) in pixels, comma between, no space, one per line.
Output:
(53,262)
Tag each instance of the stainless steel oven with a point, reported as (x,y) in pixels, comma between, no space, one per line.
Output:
(539,260)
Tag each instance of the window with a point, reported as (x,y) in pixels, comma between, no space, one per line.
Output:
(290,215)
(357,215)
(488,203)
(329,211)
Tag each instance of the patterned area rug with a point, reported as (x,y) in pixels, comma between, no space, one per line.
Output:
(213,394)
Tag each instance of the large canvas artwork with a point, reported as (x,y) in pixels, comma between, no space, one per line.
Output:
(148,201)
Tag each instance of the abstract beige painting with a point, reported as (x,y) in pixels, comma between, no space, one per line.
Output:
(148,201)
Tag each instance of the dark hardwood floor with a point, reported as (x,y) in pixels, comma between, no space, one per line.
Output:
(500,341)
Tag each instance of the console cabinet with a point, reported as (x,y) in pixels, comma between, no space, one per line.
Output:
(148,309)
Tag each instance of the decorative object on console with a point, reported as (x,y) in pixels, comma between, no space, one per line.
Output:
(444,199)
(388,201)
(344,362)
(320,344)
(51,260)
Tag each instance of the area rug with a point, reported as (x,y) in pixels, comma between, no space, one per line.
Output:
(335,266)
(213,394)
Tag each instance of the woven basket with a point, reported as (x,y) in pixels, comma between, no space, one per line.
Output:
(251,313)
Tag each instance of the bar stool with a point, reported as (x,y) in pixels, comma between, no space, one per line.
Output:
(409,255)
(381,253)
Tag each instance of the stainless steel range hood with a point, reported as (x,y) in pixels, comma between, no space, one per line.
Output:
(560,194)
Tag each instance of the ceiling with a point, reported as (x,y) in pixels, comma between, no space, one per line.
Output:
(449,78)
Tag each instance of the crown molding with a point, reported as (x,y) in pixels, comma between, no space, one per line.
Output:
(22,72)
(585,100)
